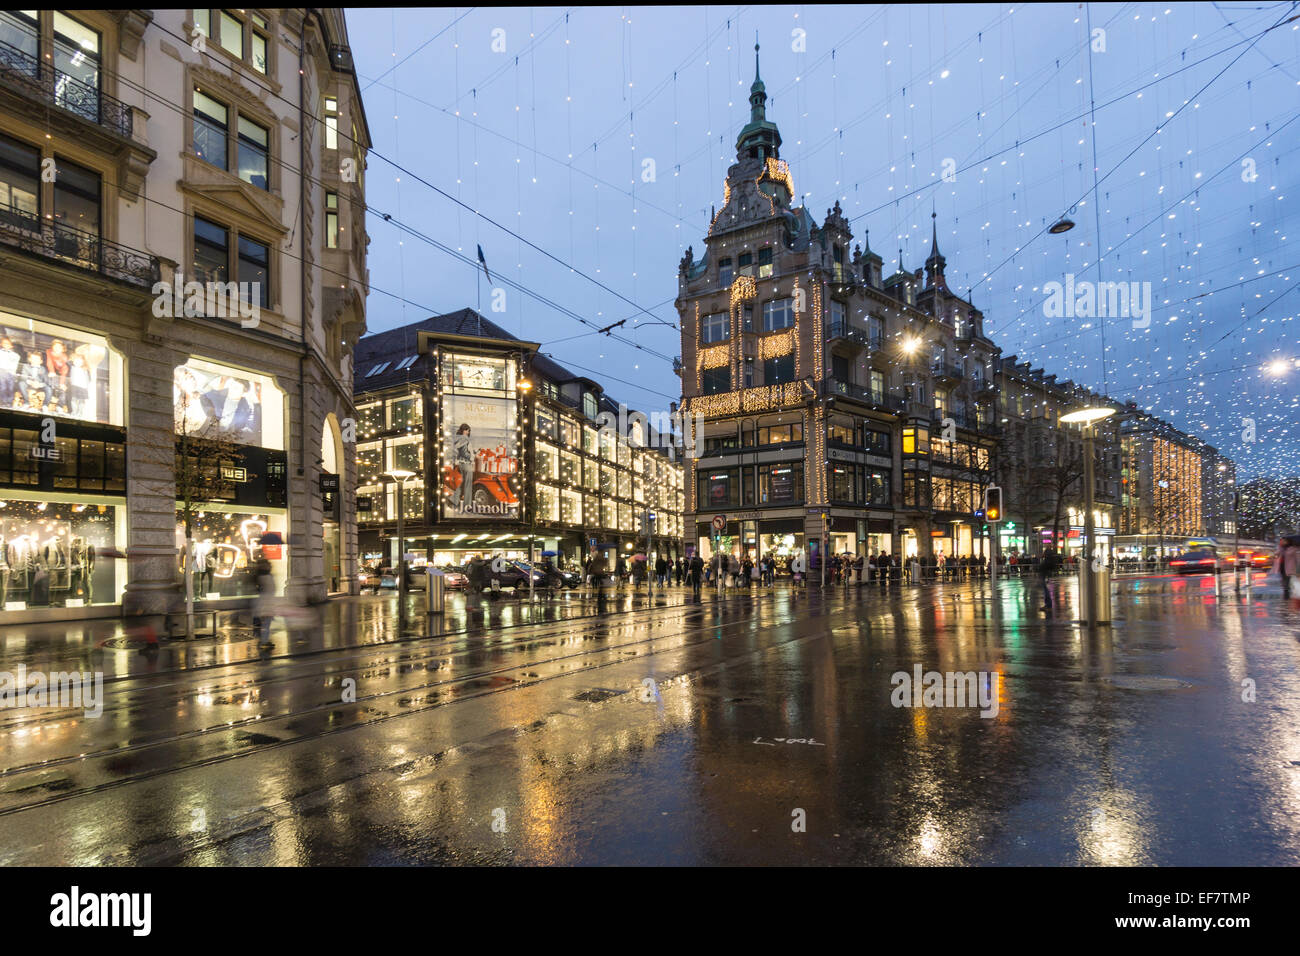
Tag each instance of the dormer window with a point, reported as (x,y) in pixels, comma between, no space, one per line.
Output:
(837,258)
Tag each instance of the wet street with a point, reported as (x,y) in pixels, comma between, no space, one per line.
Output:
(762,728)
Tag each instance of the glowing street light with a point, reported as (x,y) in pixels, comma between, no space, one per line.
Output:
(1088,417)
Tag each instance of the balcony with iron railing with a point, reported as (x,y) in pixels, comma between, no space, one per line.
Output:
(854,332)
(881,399)
(57,242)
(24,73)
(952,373)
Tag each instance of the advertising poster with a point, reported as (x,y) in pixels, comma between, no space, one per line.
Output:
(480,457)
(52,372)
(212,404)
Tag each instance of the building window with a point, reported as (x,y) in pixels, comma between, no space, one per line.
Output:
(725,272)
(211,251)
(258,36)
(20,30)
(777,371)
(715,380)
(331,220)
(331,123)
(77,197)
(20,184)
(76,66)
(780,483)
(839,368)
(837,256)
(719,488)
(916,440)
(232,34)
(765,262)
(878,490)
(839,318)
(212,260)
(255,269)
(210,125)
(715,327)
(254,153)
(780,434)
(840,432)
(876,442)
(778,314)
(746,263)
(843,482)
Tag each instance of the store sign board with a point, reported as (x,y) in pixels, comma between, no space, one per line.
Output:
(363,505)
(46,453)
(329,483)
(234,473)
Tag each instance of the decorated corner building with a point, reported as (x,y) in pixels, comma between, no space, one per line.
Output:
(483,446)
(848,410)
(175,185)
(841,409)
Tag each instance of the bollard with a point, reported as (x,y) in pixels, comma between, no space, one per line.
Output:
(436,589)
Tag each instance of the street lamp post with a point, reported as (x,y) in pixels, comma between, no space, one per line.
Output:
(526,386)
(400,475)
(1088,418)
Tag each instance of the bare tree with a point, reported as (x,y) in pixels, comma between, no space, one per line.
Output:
(1059,477)
(202,460)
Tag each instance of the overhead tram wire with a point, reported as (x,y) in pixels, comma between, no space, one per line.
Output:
(386,72)
(418,178)
(392,220)
(1051,129)
(1169,119)
(1178,202)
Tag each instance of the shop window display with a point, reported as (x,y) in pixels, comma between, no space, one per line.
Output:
(48,554)
(227,546)
(215,402)
(48,370)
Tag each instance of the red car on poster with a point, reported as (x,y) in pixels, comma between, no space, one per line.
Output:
(492,493)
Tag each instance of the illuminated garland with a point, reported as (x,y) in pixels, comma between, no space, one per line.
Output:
(817,329)
(819,449)
(775,346)
(715,356)
(779,170)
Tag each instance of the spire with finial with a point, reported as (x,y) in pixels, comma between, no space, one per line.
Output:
(759,135)
(935,263)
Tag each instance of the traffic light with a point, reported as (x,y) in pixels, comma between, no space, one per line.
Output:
(993,503)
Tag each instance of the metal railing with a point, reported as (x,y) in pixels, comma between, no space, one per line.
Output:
(888,400)
(944,370)
(23,72)
(62,243)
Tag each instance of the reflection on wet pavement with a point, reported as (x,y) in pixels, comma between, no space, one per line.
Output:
(748,731)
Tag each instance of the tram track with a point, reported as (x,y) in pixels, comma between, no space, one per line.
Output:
(450,690)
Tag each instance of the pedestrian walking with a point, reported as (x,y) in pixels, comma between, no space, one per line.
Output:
(696,573)
(264,609)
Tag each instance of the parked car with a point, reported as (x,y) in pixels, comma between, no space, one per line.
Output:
(568,579)
(1195,562)
(455,578)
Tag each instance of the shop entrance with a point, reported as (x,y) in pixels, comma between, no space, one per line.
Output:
(331,453)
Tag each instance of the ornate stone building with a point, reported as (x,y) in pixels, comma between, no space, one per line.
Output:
(841,409)
(141,151)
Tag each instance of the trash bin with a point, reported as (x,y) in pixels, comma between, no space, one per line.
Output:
(1101,603)
(436,590)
